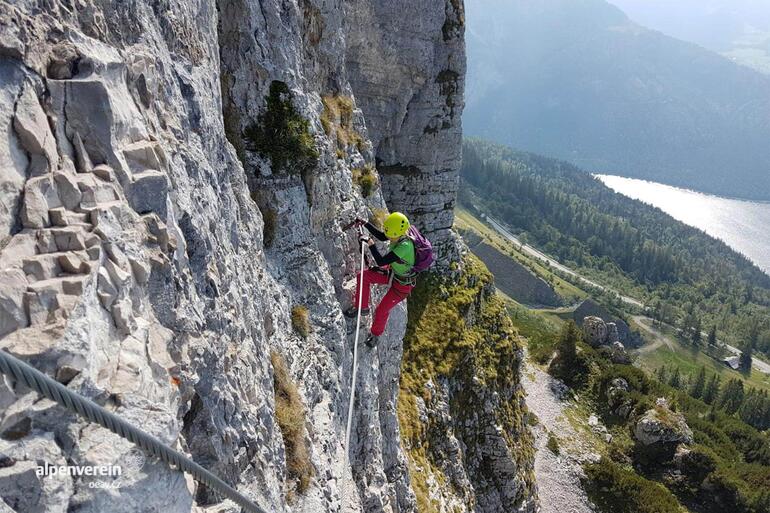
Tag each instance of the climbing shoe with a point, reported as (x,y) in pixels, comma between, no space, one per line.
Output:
(372,340)
(352,312)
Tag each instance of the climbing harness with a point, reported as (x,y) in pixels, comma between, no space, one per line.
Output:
(55,391)
(355,351)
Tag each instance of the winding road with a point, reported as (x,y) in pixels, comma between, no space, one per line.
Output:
(661,338)
(499,228)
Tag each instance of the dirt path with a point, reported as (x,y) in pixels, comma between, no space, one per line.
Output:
(557,477)
(660,337)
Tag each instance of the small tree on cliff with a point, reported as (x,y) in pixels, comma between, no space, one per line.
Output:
(567,364)
(567,348)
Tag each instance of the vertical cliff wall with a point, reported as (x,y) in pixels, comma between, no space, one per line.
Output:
(175,179)
(406,64)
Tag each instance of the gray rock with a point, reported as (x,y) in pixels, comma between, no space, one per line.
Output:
(40,196)
(20,246)
(31,126)
(13,316)
(619,354)
(123,316)
(82,159)
(105,289)
(13,157)
(662,426)
(410,89)
(595,331)
(148,193)
(20,486)
(559,389)
(617,399)
(69,192)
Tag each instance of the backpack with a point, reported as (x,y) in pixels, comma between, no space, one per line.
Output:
(423,250)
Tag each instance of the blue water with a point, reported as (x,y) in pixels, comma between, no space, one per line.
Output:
(743,225)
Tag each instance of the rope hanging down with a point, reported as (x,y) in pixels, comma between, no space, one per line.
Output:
(91,411)
(355,354)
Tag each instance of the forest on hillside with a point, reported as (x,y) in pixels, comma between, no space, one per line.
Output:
(686,277)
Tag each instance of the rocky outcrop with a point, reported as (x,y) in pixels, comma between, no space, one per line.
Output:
(620,331)
(156,235)
(595,331)
(618,401)
(462,404)
(605,335)
(661,426)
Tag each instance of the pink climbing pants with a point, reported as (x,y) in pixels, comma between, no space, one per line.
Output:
(395,294)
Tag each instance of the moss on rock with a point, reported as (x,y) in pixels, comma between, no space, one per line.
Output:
(281,134)
(290,416)
(366,178)
(458,331)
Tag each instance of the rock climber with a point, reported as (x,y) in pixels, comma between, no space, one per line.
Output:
(396,268)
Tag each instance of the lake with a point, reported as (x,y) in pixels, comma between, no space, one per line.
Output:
(743,225)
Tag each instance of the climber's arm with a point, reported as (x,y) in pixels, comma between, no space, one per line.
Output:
(383,260)
(378,234)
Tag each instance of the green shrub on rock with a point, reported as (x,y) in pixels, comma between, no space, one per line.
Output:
(618,490)
(281,134)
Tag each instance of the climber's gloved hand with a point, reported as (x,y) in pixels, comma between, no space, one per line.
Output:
(359,222)
(365,239)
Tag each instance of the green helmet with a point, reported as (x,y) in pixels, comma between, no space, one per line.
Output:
(395,225)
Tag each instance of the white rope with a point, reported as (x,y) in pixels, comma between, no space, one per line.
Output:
(355,355)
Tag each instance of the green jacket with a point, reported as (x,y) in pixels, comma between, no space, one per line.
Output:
(404,249)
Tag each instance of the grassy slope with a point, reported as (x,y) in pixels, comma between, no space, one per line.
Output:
(458,331)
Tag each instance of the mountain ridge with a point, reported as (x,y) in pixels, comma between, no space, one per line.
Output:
(613,97)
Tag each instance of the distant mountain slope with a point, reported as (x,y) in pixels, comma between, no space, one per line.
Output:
(738,29)
(576,79)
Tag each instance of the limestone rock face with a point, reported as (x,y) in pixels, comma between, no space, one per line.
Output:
(410,87)
(662,426)
(595,331)
(154,241)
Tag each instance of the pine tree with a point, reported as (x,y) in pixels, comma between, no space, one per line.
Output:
(698,386)
(712,339)
(567,346)
(750,411)
(696,336)
(711,392)
(744,363)
(662,373)
(732,396)
(676,379)
(565,365)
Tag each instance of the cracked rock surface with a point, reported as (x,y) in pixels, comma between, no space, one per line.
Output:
(153,247)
